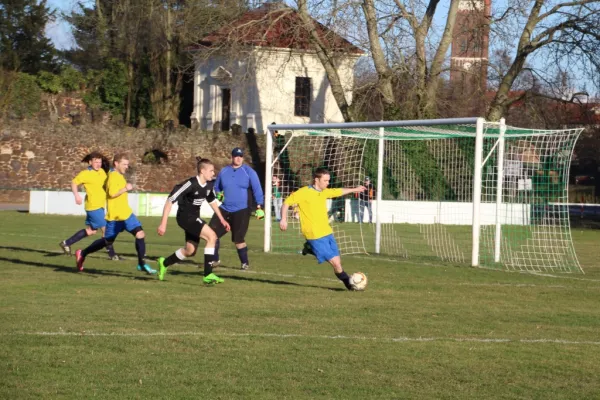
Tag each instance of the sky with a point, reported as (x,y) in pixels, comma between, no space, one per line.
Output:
(59,31)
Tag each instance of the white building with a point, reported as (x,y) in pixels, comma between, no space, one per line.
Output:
(259,69)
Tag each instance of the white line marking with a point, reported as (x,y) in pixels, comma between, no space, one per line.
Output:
(300,336)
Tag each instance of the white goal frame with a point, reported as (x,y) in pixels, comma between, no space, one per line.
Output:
(480,160)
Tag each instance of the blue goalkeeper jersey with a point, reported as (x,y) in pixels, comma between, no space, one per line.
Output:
(235,183)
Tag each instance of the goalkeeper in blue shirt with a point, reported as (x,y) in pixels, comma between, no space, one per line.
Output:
(234,183)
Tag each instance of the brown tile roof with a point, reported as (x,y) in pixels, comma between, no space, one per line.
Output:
(274,25)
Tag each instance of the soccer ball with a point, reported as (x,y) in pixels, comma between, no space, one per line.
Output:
(358,281)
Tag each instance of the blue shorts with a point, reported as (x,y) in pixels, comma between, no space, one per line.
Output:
(95,219)
(325,248)
(113,228)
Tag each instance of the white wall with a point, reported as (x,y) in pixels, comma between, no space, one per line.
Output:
(263,85)
(399,212)
(142,204)
(448,213)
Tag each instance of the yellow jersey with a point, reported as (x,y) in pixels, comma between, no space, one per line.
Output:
(312,205)
(118,208)
(93,183)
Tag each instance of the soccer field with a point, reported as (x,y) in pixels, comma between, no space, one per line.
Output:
(287,329)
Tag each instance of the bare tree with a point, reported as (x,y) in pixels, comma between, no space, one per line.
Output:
(565,33)
(403,42)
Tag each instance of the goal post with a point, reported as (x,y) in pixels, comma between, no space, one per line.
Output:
(461,191)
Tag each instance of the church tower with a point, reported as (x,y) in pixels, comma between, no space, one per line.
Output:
(470,42)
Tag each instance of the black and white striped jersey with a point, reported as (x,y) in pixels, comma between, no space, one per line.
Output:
(189,196)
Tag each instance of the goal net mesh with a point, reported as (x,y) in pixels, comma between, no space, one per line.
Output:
(426,207)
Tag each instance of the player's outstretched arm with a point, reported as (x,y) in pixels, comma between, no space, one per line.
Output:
(215,208)
(284,212)
(357,189)
(162,228)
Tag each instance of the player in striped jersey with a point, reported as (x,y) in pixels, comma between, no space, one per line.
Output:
(189,196)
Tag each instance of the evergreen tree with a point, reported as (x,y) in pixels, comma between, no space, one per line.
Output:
(23,46)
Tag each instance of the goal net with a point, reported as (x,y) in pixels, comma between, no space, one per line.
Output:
(459,191)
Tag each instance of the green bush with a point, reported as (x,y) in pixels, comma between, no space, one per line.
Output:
(113,86)
(49,82)
(71,79)
(107,88)
(25,95)
(93,80)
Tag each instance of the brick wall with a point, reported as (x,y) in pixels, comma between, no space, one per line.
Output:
(48,156)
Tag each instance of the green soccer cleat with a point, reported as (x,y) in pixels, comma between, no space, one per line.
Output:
(211,279)
(162,270)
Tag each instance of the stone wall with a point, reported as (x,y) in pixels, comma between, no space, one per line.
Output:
(37,156)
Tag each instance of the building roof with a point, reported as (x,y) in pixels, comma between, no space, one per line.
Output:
(572,113)
(274,25)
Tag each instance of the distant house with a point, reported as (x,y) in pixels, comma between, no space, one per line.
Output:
(260,69)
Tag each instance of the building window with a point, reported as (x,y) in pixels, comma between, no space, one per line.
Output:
(302,97)
(464,45)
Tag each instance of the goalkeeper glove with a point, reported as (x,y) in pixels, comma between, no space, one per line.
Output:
(260,214)
(220,196)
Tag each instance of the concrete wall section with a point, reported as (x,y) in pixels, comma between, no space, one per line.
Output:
(63,203)
(398,212)
(447,213)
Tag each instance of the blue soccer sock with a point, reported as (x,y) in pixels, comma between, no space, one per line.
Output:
(140,248)
(76,237)
(94,247)
(243,255)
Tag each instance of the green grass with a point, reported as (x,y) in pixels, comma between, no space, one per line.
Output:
(286,329)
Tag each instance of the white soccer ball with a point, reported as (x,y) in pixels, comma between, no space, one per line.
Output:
(358,281)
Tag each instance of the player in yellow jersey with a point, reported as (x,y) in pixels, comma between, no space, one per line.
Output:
(119,217)
(311,202)
(92,179)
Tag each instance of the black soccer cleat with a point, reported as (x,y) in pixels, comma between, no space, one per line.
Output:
(307,249)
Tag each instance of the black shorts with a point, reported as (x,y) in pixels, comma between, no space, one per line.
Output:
(192,227)
(238,221)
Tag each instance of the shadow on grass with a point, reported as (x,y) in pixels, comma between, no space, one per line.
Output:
(97,255)
(278,282)
(46,253)
(70,269)
(198,274)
